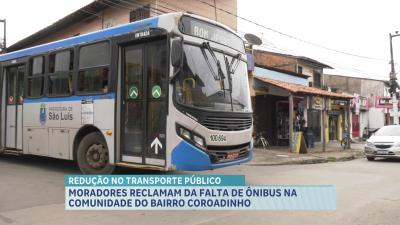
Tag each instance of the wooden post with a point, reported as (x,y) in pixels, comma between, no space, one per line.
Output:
(348,123)
(290,121)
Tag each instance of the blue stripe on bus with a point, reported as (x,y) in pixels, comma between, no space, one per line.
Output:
(69,98)
(97,35)
(188,157)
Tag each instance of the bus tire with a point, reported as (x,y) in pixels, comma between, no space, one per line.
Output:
(92,155)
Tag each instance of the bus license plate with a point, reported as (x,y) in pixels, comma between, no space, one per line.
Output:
(232,155)
(218,138)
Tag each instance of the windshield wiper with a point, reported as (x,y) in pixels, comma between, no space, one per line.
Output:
(220,75)
(232,68)
(229,74)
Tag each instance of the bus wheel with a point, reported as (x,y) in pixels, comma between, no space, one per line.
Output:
(92,155)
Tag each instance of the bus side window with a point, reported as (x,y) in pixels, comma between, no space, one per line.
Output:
(36,77)
(60,73)
(94,63)
(11,74)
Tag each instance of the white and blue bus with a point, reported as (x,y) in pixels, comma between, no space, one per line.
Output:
(164,93)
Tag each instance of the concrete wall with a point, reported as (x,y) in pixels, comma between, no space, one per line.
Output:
(364,121)
(345,84)
(119,15)
(307,71)
(376,118)
(372,88)
(361,86)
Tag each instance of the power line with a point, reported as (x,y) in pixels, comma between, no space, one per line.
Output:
(291,36)
(269,44)
(109,5)
(336,65)
(273,47)
(89,12)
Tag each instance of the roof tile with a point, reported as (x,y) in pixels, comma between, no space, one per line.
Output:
(298,88)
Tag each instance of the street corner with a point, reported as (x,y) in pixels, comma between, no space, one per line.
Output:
(282,156)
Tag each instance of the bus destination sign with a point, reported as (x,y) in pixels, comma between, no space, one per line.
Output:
(208,31)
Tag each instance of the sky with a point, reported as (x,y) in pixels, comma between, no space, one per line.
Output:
(354,27)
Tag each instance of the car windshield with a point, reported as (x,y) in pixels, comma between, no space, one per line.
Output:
(388,131)
(203,84)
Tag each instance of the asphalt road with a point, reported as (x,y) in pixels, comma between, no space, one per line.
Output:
(32,192)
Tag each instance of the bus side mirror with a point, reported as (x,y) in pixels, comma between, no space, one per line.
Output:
(176,52)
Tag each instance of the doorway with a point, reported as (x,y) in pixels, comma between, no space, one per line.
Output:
(144,91)
(14,98)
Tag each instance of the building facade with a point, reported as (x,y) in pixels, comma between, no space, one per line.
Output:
(287,98)
(366,115)
(296,64)
(102,14)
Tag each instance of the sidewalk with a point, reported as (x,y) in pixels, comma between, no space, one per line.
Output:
(277,155)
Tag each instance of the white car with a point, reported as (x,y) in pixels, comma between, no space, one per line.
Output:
(385,143)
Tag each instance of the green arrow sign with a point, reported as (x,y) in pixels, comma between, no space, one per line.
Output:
(156,91)
(133,92)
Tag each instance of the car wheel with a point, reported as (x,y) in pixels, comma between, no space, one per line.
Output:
(370,158)
(92,155)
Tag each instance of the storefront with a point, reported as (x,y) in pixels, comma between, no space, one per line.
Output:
(282,108)
(272,117)
(337,119)
(314,117)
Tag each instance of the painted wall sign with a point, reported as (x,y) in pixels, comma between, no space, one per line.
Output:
(384,102)
(317,103)
(364,103)
(337,104)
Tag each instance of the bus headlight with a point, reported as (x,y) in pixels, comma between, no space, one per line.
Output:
(191,137)
(184,133)
(198,140)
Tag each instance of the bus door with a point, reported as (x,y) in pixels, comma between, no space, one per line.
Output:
(14,98)
(144,102)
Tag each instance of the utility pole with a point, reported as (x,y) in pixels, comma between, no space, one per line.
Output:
(3,43)
(393,82)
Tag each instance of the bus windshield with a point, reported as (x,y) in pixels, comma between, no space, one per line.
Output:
(198,86)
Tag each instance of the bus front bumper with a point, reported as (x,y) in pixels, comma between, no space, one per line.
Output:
(185,156)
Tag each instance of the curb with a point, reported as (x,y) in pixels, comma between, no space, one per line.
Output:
(311,161)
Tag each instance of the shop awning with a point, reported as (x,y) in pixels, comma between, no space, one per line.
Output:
(301,89)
